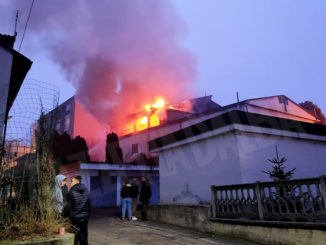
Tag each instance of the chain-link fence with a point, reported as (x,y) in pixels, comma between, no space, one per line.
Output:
(26,170)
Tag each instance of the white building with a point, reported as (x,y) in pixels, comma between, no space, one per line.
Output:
(13,69)
(104,181)
(204,108)
(233,148)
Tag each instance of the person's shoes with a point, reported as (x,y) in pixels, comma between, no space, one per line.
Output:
(129,219)
(123,219)
(134,218)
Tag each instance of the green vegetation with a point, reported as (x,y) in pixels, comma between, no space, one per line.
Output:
(27,200)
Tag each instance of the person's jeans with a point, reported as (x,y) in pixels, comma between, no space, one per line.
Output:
(81,235)
(126,204)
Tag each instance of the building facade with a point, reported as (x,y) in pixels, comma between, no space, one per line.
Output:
(277,106)
(104,181)
(70,117)
(233,148)
(73,119)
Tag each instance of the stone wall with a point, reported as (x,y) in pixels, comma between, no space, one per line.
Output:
(276,233)
(66,239)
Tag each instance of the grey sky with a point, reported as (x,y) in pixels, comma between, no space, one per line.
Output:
(258,48)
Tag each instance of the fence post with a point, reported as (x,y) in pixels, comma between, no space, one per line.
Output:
(323,190)
(213,201)
(259,201)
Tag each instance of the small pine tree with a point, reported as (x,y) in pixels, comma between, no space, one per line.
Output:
(278,173)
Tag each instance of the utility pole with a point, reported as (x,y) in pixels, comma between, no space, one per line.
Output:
(15,31)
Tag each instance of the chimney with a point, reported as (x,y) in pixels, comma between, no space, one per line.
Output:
(7,40)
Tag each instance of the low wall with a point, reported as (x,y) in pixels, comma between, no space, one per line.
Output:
(276,233)
(66,239)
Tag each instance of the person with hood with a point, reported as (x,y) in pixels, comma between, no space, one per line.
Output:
(60,181)
(80,205)
(126,195)
(145,195)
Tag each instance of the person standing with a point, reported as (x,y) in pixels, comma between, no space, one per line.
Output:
(60,181)
(79,203)
(65,191)
(145,195)
(126,195)
(134,196)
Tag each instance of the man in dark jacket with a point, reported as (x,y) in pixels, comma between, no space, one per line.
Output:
(145,195)
(134,196)
(79,202)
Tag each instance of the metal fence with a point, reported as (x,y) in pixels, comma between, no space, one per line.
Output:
(293,200)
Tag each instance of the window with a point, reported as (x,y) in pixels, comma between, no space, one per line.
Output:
(58,126)
(67,123)
(134,148)
(68,108)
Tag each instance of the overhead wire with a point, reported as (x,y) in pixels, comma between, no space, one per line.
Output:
(29,15)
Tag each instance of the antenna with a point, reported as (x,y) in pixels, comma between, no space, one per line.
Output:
(238,97)
(29,15)
(15,31)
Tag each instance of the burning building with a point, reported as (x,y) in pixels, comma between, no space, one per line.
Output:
(167,119)
(154,121)
(160,113)
(159,118)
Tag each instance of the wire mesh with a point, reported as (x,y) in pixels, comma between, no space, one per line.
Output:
(34,96)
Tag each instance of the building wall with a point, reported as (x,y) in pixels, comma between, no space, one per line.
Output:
(188,169)
(142,138)
(6,62)
(307,156)
(103,188)
(71,117)
(104,185)
(63,116)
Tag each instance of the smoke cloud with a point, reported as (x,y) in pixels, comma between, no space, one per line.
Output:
(119,54)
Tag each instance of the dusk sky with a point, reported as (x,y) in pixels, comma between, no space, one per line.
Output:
(258,48)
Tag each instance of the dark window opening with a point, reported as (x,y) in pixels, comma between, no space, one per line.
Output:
(134,148)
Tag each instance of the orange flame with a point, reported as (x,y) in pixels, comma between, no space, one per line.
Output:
(142,123)
(151,120)
(159,104)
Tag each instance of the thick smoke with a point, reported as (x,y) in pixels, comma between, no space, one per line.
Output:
(119,54)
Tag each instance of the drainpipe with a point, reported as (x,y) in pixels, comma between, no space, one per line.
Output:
(118,190)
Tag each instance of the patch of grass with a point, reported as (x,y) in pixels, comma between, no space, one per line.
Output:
(25,224)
